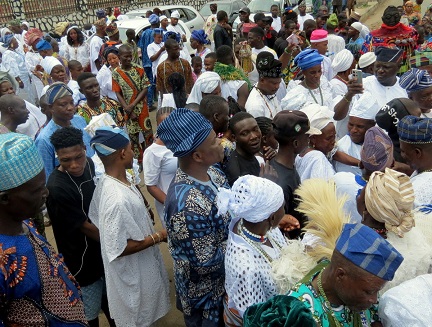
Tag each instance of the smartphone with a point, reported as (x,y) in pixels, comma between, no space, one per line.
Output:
(293,39)
(358,74)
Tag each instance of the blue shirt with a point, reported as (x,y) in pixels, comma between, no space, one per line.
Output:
(144,41)
(46,149)
(197,241)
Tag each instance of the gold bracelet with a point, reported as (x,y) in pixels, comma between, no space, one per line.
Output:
(154,242)
(344,97)
(159,238)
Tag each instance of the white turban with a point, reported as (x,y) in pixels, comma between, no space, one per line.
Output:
(207,82)
(358,26)
(319,116)
(365,107)
(5,31)
(252,198)
(390,199)
(49,62)
(342,61)
(175,14)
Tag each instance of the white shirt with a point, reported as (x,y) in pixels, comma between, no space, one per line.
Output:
(340,89)
(160,167)
(314,164)
(81,53)
(256,51)
(34,122)
(152,49)
(327,69)
(277,24)
(137,284)
(230,88)
(95,45)
(259,105)
(349,147)
(104,77)
(302,19)
(77,95)
(176,29)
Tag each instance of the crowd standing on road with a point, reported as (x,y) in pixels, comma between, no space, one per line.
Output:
(290,166)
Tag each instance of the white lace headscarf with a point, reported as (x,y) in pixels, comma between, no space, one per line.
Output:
(252,198)
(390,199)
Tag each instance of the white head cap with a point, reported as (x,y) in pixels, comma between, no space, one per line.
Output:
(319,116)
(365,107)
(367,59)
(358,26)
(342,61)
(174,14)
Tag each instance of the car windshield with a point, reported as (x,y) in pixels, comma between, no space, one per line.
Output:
(262,5)
(205,11)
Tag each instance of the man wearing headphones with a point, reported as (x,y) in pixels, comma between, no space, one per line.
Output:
(71,186)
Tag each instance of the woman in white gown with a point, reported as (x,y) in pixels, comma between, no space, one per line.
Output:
(104,75)
(254,241)
(313,161)
(77,48)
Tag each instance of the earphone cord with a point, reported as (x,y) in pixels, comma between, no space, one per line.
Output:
(82,209)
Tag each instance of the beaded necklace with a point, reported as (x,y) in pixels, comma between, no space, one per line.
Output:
(117,180)
(326,305)
(256,245)
(266,98)
(313,96)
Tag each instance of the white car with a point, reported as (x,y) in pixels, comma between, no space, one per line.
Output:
(264,6)
(188,15)
(141,24)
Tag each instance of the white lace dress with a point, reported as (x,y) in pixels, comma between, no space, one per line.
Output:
(248,278)
(314,164)
(137,284)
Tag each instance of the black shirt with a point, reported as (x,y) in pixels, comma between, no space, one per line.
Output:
(239,166)
(68,211)
(221,37)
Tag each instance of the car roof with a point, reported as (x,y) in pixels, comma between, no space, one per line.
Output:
(134,23)
(162,8)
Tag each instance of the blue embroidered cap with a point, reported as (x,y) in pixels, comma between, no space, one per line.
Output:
(56,91)
(153,19)
(308,58)
(19,160)
(183,131)
(415,80)
(415,130)
(108,140)
(368,250)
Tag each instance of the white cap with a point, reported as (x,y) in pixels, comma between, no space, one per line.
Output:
(366,107)
(342,61)
(319,116)
(358,26)
(174,14)
(162,17)
(367,59)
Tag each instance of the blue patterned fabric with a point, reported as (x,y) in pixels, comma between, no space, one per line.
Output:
(36,288)
(415,130)
(56,91)
(308,58)
(143,43)
(200,36)
(19,160)
(46,149)
(108,140)
(197,238)
(415,80)
(368,250)
(183,131)
(43,45)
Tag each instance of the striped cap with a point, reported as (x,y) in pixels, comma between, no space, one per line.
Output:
(368,250)
(183,131)
(19,160)
(415,130)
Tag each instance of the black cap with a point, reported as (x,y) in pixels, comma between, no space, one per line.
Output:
(290,123)
(245,9)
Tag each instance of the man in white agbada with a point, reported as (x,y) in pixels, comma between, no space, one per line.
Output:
(342,66)
(174,26)
(254,241)
(384,85)
(136,279)
(361,118)
(262,100)
(208,83)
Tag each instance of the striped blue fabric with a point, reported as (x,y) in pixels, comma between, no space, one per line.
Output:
(415,130)
(19,160)
(368,250)
(183,131)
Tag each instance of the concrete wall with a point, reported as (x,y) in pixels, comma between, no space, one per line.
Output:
(85,15)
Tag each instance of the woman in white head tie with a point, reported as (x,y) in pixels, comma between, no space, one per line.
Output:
(254,241)
(386,205)
(208,83)
(313,161)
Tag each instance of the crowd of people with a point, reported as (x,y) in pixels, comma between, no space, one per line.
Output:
(290,168)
